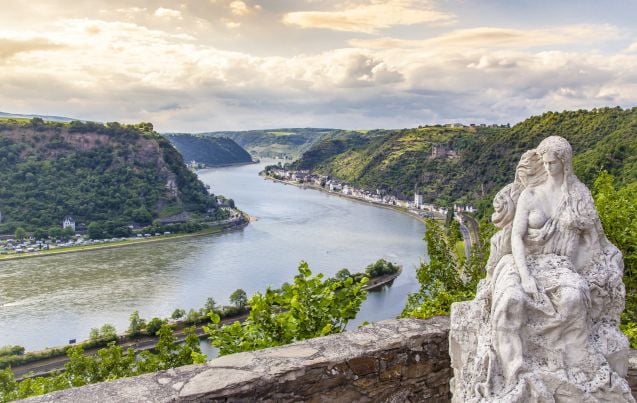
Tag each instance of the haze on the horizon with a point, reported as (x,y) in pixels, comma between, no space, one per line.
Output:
(207,65)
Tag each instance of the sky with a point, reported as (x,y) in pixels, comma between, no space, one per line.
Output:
(209,65)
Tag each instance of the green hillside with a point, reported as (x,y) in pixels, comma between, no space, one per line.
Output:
(210,150)
(474,162)
(290,143)
(113,173)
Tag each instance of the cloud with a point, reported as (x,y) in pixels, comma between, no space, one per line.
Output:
(239,8)
(490,37)
(168,13)
(130,72)
(130,10)
(369,17)
(12,46)
(231,24)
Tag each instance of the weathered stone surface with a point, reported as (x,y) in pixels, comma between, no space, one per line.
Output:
(369,364)
(271,375)
(363,365)
(215,379)
(544,324)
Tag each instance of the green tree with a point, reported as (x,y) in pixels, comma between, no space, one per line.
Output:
(55,232)
(453,232)
(445,280)
(193,317)
(154,325)
(95,231)
(11,350)
(20,233)
(309,307)
(114,363)
(8,386)
(178,313)
(381,267)
(108,332)
(239,298)
(81,369)
(343,275)
(40,234)
(617,209)
(137,325)
(211,306)
(67,233)
(94,335)
(141,216)
(111,362)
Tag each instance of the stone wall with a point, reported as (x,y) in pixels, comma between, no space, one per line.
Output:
(404,360)
(393,360)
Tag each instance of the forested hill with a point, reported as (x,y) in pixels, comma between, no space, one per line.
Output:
(468,163)
(290,143)
(209,150)
(113,173)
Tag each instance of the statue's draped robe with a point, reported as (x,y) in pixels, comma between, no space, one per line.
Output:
(573,350)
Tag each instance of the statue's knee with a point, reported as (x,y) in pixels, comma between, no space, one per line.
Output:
(571,300)
(511,314)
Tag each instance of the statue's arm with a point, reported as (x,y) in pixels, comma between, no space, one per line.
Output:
(518,231)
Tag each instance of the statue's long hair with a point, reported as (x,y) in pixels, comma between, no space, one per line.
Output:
(530,172)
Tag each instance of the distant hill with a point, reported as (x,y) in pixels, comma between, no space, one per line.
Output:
(43,117)
(113,173)
(210,150)
(467,164)
(273,143)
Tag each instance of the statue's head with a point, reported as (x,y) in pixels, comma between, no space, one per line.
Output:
(556,154)
(551,157)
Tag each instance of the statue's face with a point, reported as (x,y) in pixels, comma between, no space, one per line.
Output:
(552,164)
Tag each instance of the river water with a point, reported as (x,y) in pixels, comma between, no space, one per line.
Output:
(46,301)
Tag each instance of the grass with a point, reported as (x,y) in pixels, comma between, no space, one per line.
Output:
(459,250)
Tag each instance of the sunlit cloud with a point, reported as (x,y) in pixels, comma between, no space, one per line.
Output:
(130,10)
(239,8)
(489,37)
(369,17)
(12,46)
(233,65)
(231,24)
(167,13)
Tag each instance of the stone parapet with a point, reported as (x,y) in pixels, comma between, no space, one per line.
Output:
(393,360)
(403,360)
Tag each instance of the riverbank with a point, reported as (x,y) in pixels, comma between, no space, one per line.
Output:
(376,283)
(470,236)
(213,229)
(349,197)
(46,366)
(235,164)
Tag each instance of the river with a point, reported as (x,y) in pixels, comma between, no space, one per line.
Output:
(47,301)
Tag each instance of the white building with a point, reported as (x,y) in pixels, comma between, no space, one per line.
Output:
(418,200)
(69,223)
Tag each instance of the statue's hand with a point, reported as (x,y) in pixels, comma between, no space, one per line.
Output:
(529,286)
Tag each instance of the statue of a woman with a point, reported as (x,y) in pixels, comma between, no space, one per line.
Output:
(544,324)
